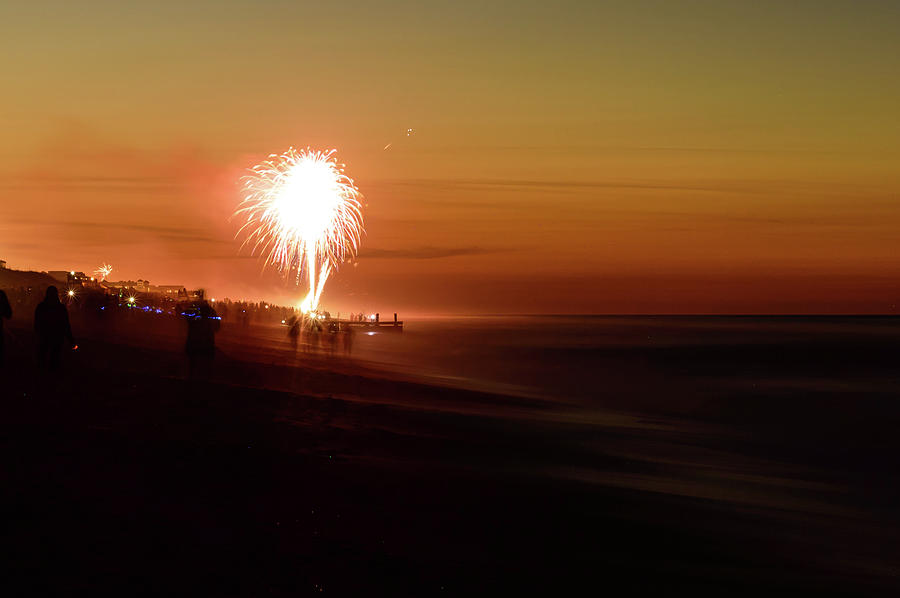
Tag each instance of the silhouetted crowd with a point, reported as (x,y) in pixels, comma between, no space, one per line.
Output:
(110,314)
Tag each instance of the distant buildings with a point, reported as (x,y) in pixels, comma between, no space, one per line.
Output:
(170,291)
(142,287)
(78,282)
(70,277)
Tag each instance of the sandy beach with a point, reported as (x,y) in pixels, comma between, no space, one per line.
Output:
(700,470)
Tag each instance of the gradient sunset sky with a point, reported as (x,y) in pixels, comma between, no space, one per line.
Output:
(590,157)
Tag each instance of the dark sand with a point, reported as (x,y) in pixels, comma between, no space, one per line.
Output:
(743,468)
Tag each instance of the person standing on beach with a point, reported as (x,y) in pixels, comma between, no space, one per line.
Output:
(51,323)
(5,314)
(203,324)
(348,340)
(294,331)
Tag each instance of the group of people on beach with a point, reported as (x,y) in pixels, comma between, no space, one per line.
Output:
(54,332)
(313,334)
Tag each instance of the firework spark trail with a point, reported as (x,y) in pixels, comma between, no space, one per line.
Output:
(103,271)
(409,133)
(302,214)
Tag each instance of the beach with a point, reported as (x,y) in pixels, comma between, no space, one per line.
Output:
(719,455)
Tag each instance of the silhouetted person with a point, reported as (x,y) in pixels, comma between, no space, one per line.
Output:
(51,323)
(294,331)
(203,323)
(332,337)
(5,314)
(348,340)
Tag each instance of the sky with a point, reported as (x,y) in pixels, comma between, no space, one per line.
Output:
(567,157)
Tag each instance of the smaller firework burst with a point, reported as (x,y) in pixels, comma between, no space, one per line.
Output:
(103,272)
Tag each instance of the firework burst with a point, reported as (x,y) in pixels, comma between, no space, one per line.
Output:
(103,272)
(303,215)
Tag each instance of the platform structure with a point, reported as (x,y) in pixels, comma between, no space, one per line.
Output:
(369,324)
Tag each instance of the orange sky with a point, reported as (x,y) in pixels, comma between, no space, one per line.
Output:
(576,157)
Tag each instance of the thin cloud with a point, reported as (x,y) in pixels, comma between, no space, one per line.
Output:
(179,232)
(470,184)
(424,253)
(91,183)
(745,186)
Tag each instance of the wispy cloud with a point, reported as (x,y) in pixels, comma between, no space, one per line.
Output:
(487,184)
(424,253)
(745,186)
(91,183)
(182,232)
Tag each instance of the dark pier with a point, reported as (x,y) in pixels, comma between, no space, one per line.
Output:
(370,324)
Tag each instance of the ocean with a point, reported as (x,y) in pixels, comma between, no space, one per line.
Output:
(604,359)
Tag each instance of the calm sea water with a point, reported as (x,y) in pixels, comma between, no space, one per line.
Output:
(574,358)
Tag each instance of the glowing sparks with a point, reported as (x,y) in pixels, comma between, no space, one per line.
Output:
(304,215)
(408,132)
(103,272)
